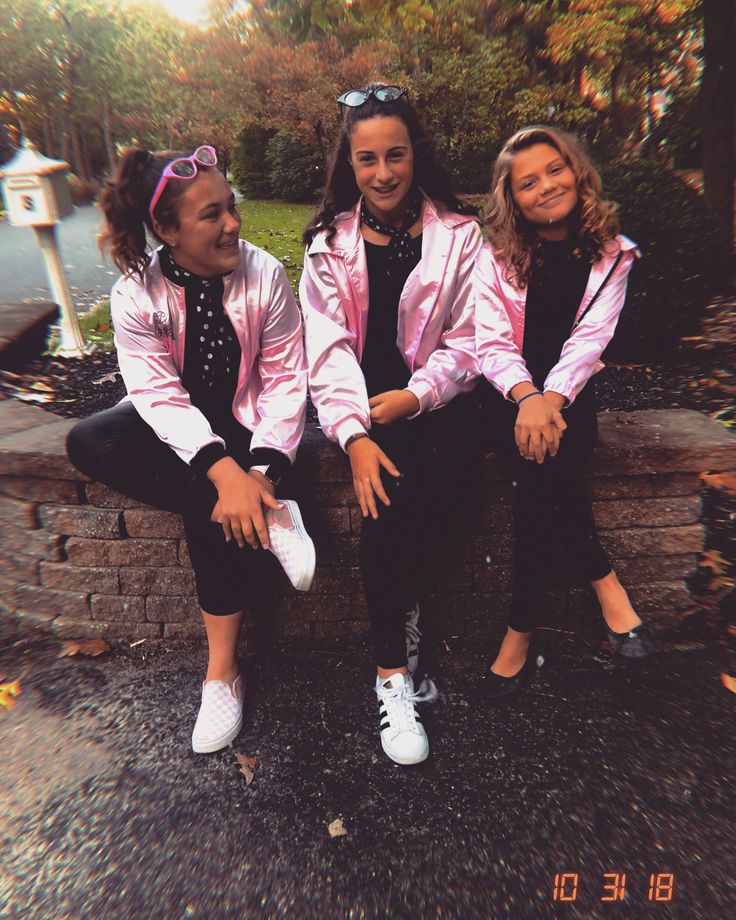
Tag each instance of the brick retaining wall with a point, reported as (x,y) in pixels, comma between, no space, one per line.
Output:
(80,559)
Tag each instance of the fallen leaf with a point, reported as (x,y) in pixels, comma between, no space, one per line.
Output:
(91,647)
(729,682)
(106,378)
(43,387)
(337,828)
(725,481)
(247,765)
(8,693)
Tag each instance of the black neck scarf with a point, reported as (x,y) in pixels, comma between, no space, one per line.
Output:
(210,327)
(399,247)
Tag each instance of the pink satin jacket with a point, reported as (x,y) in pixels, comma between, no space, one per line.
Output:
(500,311)
(270,396)
(435,330)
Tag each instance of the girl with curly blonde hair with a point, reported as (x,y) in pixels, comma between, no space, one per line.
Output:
(550,286)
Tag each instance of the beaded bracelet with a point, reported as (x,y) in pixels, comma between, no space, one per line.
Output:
(527,395)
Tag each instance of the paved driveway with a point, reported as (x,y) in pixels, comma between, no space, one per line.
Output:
(22,272)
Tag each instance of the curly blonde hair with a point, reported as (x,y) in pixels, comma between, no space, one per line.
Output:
(514,239)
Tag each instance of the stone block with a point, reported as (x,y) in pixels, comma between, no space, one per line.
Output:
(153,523)
(19,513)
(39,543)
(66,628)
(189,630)
(336,580)
(182,554)
(661,595)
(338,550)
(62,491)
(82,551)
(607,487)
(68,577)
(647,512)
(334,519)
(102,496)
(656,541)
(634,571)
(168,580)
(168,609)
(34,619)
(83,521)
(19,568)
(107,607)
(19,416)
(302,607)
(656,441)
(39,452)
(72,604)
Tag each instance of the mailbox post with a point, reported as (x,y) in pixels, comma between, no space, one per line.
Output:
(36,191)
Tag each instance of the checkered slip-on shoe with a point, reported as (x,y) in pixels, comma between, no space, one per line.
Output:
(220,715)
(291,544)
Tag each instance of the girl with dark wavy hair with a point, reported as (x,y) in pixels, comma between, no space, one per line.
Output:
(550,286)
(209,343)
(386,295)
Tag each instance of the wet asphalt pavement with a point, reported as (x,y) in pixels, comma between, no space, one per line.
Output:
(594,768)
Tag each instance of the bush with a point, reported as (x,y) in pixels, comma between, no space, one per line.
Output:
(296,168)
(249,166)
(669,287)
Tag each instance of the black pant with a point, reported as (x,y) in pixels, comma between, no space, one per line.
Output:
(399,552)
(552,506)
(116,447)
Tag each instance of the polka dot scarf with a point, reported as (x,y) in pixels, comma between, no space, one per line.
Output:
(212,334)
(399,247)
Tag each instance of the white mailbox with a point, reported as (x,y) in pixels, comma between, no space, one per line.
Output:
(35,188)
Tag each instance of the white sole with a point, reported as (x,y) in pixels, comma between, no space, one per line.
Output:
(305,580)
(218,744)
(405,762)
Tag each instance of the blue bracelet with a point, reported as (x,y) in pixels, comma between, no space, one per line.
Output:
(527,395)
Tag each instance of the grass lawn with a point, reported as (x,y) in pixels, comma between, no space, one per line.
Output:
(277,227)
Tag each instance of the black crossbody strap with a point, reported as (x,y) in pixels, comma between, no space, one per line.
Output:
(595,296)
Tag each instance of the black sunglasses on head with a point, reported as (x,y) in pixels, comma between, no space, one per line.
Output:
(357,97)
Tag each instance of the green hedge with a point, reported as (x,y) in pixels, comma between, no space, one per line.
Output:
(670,285)
(296,168)
(249,168)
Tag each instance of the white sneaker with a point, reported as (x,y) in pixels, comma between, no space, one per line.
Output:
(403,737)
(412,639)
(291,544)
(220,715)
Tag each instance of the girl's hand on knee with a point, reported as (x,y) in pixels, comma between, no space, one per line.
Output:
(241,498)
(366,460)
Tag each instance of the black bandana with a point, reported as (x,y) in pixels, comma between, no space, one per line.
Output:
(210,327)
(399,247)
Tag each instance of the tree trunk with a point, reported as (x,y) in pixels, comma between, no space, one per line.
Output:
(323,139)
(107,136)
(717,107)
(77,159)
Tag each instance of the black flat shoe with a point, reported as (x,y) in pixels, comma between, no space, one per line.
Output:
(496,687)
(635,643)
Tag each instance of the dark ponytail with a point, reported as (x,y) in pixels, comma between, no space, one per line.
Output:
(124,202)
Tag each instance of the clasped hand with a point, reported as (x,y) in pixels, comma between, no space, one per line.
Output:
(539,426)
(241,500)
(393,405)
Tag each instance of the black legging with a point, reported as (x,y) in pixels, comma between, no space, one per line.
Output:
(399,552)
(552,506)
(116,447)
